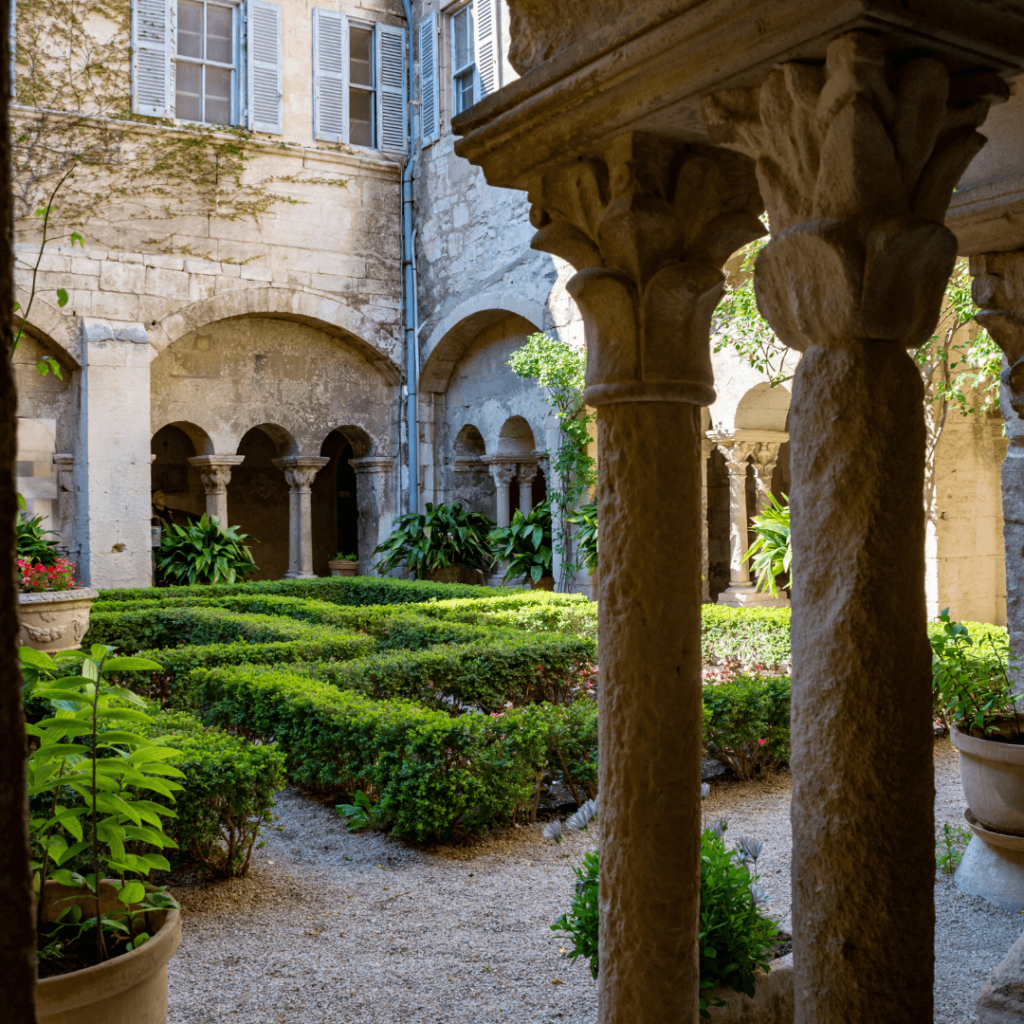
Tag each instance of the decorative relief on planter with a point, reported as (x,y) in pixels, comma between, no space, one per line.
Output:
(55,620)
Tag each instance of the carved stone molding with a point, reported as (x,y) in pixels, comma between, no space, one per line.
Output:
(300,471)
(215,470)
(648,226)
(373,464)
(501,470)
(998,288)
(857,161)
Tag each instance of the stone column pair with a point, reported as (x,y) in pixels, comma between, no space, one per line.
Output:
(504,469)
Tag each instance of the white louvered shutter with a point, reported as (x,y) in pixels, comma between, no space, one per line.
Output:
(485,29)
(391,79)
(430,95)
(330,76)
(265,71)
(152,45)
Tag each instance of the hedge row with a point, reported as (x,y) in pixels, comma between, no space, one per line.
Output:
(435,776)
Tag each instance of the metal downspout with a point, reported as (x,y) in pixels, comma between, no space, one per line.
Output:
(409,288)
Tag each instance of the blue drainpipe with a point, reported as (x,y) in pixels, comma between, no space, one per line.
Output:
(409,289)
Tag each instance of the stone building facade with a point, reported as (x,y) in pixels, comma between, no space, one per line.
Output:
(249,356)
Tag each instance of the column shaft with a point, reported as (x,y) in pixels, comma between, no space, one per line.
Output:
(861,691)
(706,448)
(739,573)
(650,710)
(294,557)
(304,498)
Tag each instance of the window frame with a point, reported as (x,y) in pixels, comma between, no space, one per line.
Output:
(373,89)
(455,70)
(238,13)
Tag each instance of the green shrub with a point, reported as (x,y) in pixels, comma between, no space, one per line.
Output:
(439,537)
(203,552)
(525,544)
(746,723)
(750,636)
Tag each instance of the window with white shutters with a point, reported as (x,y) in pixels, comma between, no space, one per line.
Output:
(363,76)
(430,98)
(330,76)
(152,39)
(206,62)
(463,37)
(485,25)
(475,36)
(265,68)
(392,102)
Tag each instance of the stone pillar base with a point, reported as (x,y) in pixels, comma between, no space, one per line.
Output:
(751,597)
(994,872)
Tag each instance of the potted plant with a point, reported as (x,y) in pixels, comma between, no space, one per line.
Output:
(525,547)
(104,936)
(973,696)
(204,552)
(53,609)
(444,543)
(344,565)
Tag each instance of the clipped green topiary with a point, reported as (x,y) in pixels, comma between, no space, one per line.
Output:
(204,552)
(746,723)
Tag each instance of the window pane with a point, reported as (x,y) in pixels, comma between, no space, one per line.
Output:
(462,30)
(218,33)
(361,48)
(464,91)
(360,117)
(190,29)
(218,96)
(188,85)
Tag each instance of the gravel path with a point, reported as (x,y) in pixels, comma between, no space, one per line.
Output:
(363,929)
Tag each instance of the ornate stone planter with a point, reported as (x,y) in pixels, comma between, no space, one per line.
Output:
(343,567)
(55,620)
(131,987)
(773,1001)
(992,774)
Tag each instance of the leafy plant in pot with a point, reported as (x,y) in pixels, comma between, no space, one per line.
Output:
(344,565)
(204,552)
(973,696)
(95,837)
(437,542)
(525,546)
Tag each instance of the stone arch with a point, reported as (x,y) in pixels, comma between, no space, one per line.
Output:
(470,442)
(450,338)
(314,309)
(516,437)
(284,442)
(763,407)
(52,328)
(360,440)
(201,440)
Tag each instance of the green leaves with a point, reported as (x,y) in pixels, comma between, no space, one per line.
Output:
(525,544)
(772,551)
(204,552)
(439,537)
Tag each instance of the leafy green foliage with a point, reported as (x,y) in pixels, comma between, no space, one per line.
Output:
(585,521)
(361,813)
(561,370)
(746,724)
(580,922)
(734,936)
(525,544)
(950,847)
(772,551)
(442,536)
(970,682)
(752,636)
(33,545)
(204,552)
(99,770)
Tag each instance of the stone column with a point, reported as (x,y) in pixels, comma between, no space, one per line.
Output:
(525,472)
(857,161)
(741,590)
(503,472)
(215,471)
(112,456)
(300,471)
(707,446)
(374,503)
(998,288)
(648,225)
(765,458)
(65,464)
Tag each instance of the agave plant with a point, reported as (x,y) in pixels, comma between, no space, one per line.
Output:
(772,552)
(204,552)
(525,544)
(441,536)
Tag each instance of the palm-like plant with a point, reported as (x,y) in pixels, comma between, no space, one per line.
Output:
(204,552)
(525,544)
(772,552)
(442,536)
(33,547)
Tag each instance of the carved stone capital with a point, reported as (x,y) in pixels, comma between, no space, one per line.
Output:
(998,288)
(648,225)
(526,470)
(857,160)
(215,470)
(300,470)
(765,459)
(736,452)
(373,464)
(501,470)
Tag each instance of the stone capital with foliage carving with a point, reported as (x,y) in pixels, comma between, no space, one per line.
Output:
(998,288)
(857,159)
(648,226)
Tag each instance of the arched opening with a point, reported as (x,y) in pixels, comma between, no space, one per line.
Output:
(516,437)
(763,408)
(335,503)
(258,498)
(474,486)
(177,488)
(470,442)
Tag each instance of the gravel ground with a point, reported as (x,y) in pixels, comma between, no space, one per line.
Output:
(364,929)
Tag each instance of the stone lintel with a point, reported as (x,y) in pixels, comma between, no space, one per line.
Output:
(216,461)
(373,464)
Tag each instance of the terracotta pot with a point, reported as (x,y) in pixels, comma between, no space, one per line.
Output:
(55,620)
(129,988)
(992,774)
(544,583)
(343,567)
(773,1002)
